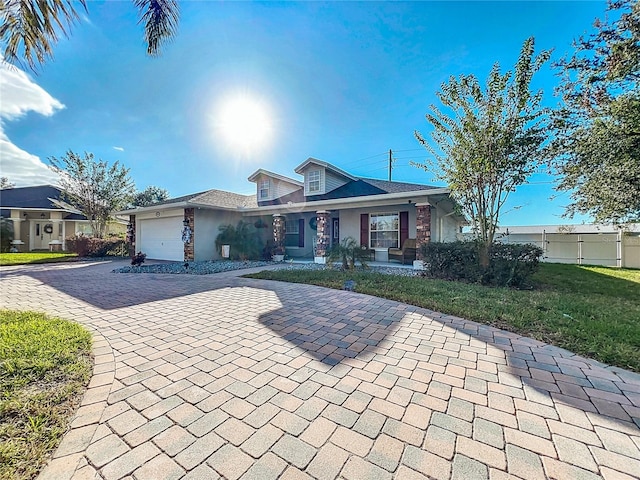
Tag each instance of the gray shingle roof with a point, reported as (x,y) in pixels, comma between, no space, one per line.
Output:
(214,198)
(30,197)
(397,187)
(219,198)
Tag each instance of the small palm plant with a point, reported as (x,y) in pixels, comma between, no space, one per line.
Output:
(348,252)
(242,239)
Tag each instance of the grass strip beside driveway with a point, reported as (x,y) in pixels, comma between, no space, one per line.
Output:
(36,257)
(592,311)
(45,366)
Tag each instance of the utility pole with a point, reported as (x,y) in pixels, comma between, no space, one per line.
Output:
(390,161)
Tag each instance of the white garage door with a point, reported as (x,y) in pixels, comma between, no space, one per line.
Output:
(161,238)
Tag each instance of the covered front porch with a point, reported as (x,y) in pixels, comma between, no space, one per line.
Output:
(307,236)
(35,230)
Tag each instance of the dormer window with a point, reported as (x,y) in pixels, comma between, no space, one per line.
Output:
(313,181)
(264,189)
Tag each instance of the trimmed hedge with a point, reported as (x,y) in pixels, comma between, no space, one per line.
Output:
(510,265)
(96,247)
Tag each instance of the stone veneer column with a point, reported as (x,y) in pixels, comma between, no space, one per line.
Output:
(423,227)
(131,236)
(189,213)
(323,219)
(278,231)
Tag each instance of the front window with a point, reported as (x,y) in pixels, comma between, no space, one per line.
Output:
(313,179)
(384,230)
(84,229)
(291,232)
(264,189)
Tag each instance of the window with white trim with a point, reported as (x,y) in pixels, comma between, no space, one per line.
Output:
(291,232)
(384,230)
(84,228)
(264,189)
(313,181)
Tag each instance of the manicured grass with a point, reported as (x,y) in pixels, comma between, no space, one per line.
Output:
(592,311)
(45,365)
(35,257)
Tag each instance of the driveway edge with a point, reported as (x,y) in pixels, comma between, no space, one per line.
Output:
(69,456)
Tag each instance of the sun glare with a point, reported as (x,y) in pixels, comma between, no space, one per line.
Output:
(244,123)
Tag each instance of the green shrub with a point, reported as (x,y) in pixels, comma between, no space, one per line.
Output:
(6,234)
(96,247)
(509,264)
(348,252)
(243,240)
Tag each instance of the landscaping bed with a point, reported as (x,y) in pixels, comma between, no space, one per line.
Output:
(218,266)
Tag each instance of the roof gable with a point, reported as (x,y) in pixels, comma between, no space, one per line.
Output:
(254,177)
(332,168)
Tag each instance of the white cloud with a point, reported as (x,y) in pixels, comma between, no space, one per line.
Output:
(20,95)
(120,149)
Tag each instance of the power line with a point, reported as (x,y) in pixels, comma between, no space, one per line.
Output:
(366,158)
(410,150)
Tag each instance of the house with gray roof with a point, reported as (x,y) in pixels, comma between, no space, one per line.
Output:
(305,216)
(42,219)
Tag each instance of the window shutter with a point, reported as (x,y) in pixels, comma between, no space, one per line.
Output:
(364,229)
(404,227)
(301,232)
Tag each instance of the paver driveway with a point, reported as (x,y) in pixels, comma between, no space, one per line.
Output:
(201,377)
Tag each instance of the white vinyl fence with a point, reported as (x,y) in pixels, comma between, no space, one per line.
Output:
(613,249)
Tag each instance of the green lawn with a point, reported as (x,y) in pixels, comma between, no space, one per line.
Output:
(45,365)
(35,257)
(592,311)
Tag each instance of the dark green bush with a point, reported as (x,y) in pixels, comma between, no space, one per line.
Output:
(243,240)
(6,234)
(96,247)
(510,265)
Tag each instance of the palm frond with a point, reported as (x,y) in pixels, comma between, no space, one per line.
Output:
(160,18)
(29,28)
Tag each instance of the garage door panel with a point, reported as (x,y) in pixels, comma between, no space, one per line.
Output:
(160,238)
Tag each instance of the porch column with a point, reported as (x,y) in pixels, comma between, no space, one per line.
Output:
(278,232)
(423,227)
(189,255)
(323,220)
(17,225)
(131,236)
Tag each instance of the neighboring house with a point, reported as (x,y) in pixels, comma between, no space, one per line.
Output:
(305,216)
(42,220)
(591,244)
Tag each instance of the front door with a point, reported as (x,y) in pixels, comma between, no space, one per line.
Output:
(41,234)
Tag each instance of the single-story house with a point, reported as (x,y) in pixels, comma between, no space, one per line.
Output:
(42,220)
(305,216)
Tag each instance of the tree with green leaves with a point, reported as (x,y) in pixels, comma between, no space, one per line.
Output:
(596,147)
(149,196)
(489,139)
(5,183)
(30,28)
(94,187)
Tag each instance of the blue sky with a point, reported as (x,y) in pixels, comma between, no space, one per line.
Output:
(343,82)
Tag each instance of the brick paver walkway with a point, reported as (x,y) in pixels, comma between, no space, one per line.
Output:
(202,377)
